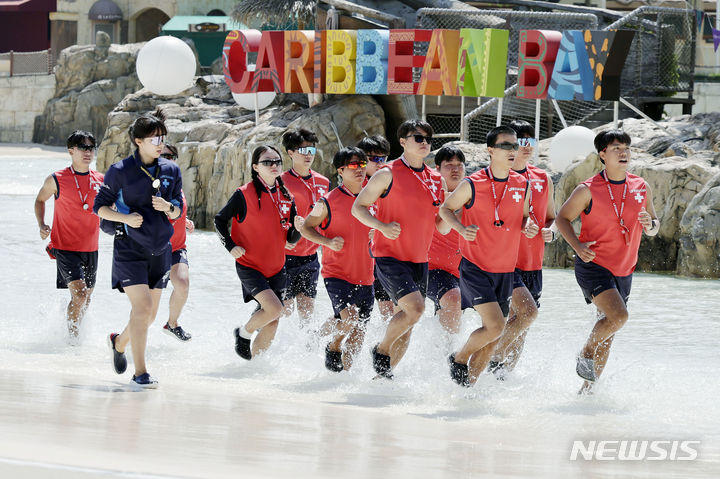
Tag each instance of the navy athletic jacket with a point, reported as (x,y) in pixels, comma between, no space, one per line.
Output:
(129,187)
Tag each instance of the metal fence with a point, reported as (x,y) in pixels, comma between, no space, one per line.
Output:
(660,63)
(27,63)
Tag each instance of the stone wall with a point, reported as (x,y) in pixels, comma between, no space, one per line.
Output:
(22,98)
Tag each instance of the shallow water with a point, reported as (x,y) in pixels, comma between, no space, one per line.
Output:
(660,382)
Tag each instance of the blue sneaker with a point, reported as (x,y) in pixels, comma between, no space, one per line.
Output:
(177,332)
(144,381)
(119,359)
(586,369)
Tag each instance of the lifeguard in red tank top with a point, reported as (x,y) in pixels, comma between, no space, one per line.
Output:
(75,227)
(306,191)
(353,262)
(444,252)
(413,201)
(616,245)
(530,254)
(495,247)
(261,233)
(177,242)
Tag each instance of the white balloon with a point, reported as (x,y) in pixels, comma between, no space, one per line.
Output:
(247,100)
(570,143)
(166,65)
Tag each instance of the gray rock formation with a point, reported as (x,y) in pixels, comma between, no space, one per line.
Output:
(700,233)
(215,137)
(91,81)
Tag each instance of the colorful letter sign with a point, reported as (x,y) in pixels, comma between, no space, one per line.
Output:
(439,74)
(298,61)
(538,50)
(340,61)
(372,62)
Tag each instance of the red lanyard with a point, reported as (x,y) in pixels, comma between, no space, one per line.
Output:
(342,187)
(313,189)
(498,222)
(623,229)
(283,221)
(85,206)
(424,180)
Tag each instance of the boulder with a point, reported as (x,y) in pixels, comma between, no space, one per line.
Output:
(699,232)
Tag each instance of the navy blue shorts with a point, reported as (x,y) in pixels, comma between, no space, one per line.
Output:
(253,282)
(75,265)
(400,278)
(532,280)
(380,293)
(134,264)
(343,294)
(594,279)
(302,275)
(179,256)
(480,287)
(439,283)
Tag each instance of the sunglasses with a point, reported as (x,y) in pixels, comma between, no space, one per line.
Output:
(307,150)
(84,147)
(377,159)
(420,138)
(275,162)
(527,142)
(354,165)
(507,146)
(168,157)
(157,140)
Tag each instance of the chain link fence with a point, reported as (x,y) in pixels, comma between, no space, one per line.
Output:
(660,64)
(27,63)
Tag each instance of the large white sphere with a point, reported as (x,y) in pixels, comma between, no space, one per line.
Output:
(570,143)
(166,65)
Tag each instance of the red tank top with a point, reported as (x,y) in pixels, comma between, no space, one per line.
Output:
(76,228)
(353,262)
(305,192)
(261,233)
(495,248)
(444,252)
(603,226)
(179,232)
(530,254)
(410,203)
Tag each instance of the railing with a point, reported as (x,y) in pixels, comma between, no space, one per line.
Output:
(26,63)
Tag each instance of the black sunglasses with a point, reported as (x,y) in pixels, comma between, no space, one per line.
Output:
(420,138)
(276,162)
(507,146)
(85,147)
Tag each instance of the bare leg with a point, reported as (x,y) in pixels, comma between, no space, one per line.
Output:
(79,302)
(450,313)
(353,344)
(306,308)
(180,278)
(513,352)
(522,314)
(491,330)
(411,307)
(143,301)
(479,361)
(343,326)
(615,315)
(386,309)
(399,348)
(270,310)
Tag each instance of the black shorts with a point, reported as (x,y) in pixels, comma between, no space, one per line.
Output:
(400,278)
(380,293)
(253,282)
(133,264)
(532,280)
(302,275)
(75,265)
(594,279)
(343,294)
(439,283)
(179,256)
(480,287)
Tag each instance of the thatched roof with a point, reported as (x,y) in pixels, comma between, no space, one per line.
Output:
(277,12)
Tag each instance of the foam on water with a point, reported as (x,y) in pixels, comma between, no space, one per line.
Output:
(660,381)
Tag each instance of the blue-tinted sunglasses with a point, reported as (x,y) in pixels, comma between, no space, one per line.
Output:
(527,142)
(307,150)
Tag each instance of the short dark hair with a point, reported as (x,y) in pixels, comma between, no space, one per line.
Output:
(411,125)
(345,156)
(497,131)
(374,144)
(172,149)
(604,138)
(78,137)
(447,153)
(522,128)
(147,124)
(292,139)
